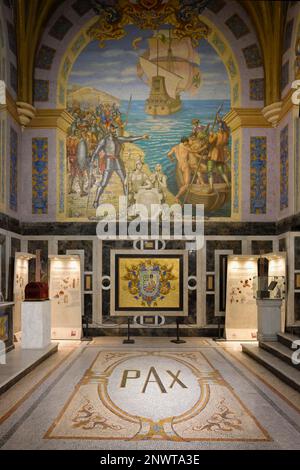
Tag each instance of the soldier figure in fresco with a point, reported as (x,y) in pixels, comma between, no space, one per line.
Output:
(77,152)
(199,130)
(218,152)
(198,154)
(111,146)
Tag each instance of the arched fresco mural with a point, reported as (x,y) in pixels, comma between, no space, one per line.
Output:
(161,99)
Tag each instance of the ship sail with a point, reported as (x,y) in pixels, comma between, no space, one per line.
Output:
(179,48)
(169,67)
(190,75)
(178,56)
(172,80)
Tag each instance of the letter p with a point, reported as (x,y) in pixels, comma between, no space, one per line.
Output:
(126,376)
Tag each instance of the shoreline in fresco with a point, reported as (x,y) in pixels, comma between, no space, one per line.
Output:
(131,154)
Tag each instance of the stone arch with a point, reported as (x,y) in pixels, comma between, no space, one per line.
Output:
(8,49)
(290,69)
(232,36)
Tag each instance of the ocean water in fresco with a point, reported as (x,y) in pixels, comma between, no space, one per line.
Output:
(166,131)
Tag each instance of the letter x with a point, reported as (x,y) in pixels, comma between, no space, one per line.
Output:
(176,379)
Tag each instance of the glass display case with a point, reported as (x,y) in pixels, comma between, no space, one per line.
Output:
(6,325)
(269,287)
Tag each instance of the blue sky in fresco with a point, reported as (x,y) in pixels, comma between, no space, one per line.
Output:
(113,69)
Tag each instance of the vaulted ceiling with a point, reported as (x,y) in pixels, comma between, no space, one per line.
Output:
(268,18)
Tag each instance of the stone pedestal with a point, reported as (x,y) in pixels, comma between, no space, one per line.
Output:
(268,319)
(36,324)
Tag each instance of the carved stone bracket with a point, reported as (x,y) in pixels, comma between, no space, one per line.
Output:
(272,112)
(26,113)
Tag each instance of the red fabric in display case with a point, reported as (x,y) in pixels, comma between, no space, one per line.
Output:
(37,291)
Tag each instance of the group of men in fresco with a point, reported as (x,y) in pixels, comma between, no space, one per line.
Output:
(87,129)
(201,155)
(98,136)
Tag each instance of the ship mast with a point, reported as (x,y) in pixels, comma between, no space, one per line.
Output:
(170,53)
(157,50)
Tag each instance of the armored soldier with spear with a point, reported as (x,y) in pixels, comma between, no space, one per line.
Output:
(217,155)
(111,146)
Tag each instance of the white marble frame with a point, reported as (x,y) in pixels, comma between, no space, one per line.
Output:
(80,253)
(8,236)
(218,313)
(290,299)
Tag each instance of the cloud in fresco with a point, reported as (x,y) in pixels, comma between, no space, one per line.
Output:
(113,69)
(119,53)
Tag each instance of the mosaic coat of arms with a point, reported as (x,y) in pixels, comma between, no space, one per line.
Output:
(145,282)
(150,281)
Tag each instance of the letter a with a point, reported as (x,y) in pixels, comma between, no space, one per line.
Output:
(157,380)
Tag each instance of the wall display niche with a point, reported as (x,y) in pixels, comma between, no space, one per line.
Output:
(241,311)
(65,296)
(148,282)
(21,275)
(241,307)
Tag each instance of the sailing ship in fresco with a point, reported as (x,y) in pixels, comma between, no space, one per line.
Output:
(170,66)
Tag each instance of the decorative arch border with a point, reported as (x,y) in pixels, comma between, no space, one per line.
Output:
(227,21)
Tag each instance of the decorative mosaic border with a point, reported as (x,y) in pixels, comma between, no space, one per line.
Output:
(258,175)
(284,168)
(40,175)
(236,175)
(13,178)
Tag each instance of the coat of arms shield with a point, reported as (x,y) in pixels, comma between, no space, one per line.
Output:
(149,283)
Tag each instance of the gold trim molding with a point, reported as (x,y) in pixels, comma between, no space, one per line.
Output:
(245,117)
(52,118)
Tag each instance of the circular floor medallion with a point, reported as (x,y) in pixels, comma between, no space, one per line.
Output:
(153,387)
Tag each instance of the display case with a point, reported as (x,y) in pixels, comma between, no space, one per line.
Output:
(269,287)
(65,293)
(6,325)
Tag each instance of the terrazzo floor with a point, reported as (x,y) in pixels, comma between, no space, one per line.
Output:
(150,395)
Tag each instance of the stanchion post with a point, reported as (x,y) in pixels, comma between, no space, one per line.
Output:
(177,340)
(86,336)
(128,340)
